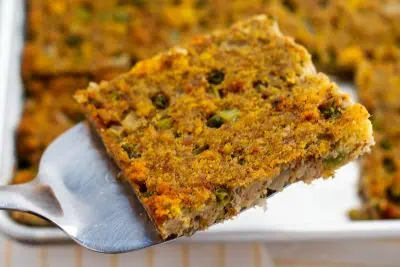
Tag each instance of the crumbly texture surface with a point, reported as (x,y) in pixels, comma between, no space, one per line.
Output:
(197,127)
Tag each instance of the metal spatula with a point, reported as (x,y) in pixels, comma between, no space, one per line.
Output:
(77,189)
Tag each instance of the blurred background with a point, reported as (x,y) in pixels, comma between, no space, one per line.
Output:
(49,49)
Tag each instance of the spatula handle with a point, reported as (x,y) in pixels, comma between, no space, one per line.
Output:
(30,197)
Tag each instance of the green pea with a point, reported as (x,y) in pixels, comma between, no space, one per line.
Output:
(229,114)
(148,194)
(73,40)
(198,150)
(389,165)
(121,16)
(177,134)
(115,95)
(310,25)
(216,77)
(386,144)
(160,101)
(289,5)
(84,14)
(215,121)
(241,161)
(332,57)
(377,124)
(333,162)
(222,196)
(356,214)
(164,124)
(94,102)
(260,86)
(330,112)
(200,3)
(216,92)
(130,149)
(394,193)
(323,3)
(138,3)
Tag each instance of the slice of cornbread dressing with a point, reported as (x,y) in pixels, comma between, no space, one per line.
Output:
(209,130)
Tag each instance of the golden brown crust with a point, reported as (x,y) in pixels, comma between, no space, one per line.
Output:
(230,109)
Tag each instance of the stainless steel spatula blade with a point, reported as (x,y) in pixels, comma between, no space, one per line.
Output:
(77,189)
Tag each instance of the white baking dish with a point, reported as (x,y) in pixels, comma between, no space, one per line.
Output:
(301,212)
